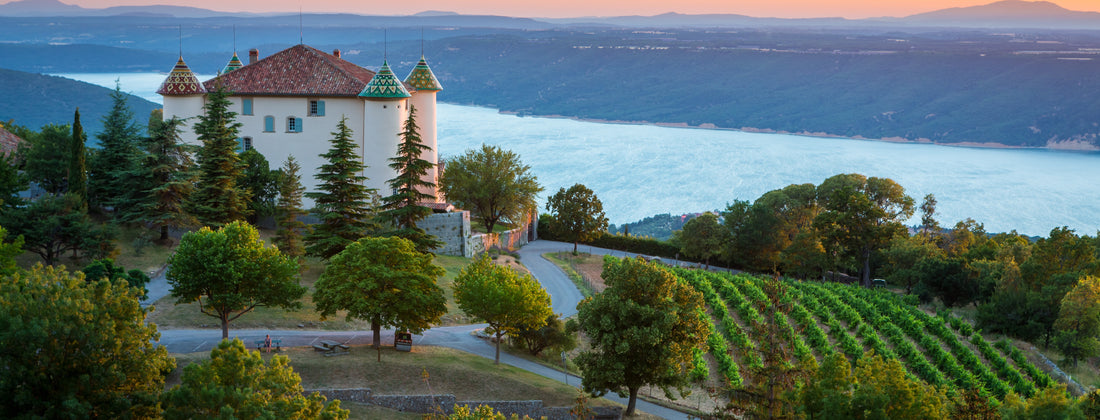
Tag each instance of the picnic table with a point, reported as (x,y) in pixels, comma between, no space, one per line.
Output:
(331,348)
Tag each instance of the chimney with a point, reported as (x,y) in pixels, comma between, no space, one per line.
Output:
(253,56)
(336,53)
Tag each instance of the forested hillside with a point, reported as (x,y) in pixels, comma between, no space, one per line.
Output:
(33,100)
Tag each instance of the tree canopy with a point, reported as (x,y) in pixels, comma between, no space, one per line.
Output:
(52,225)
(492,183)
(643,330)
(230,272)
(236,383)
(112,182)
(219,199)
(170,178)
(77,349)
(385,281)
(344,203)
(507,301)
(578,214)
(404,208)
(288,210)
(702,237)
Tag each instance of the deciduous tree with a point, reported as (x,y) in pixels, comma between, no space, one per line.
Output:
(345,204)
(404,208)
(9,249)
(702,237)
(643,329)
(578,214)
(492,183)
(1078,321)
(219,199)
(230,272)
(12,182)
(385,281)
(106,269)
(77,349)
(237,384)
(507,301)
(261,183)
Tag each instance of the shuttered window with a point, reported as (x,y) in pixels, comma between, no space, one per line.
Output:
(246,106)
(269,124)
(293,125)
(316,108)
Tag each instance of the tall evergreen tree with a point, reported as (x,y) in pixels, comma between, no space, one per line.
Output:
(46,158)
(261,182)
(345,203)
(219,200)
(112,182)
(78,175)
(288,210)
(403,207)
(170,178)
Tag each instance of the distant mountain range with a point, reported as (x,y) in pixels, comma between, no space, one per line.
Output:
(1001,14)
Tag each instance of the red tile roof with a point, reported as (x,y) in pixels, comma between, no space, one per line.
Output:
(296,71)
(9,142)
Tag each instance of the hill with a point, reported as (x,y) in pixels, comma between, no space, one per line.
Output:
(827,318)
(34,100)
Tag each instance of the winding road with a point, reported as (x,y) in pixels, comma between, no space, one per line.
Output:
(564,298)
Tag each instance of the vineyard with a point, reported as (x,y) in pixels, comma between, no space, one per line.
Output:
(825,318)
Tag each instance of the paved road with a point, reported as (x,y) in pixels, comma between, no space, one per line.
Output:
(564,299)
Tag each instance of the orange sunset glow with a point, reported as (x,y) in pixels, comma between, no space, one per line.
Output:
(575,8)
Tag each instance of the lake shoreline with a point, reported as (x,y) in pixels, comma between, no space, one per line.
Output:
(1061,146)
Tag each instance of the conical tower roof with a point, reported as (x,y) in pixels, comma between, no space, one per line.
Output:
(422,78)
(234,63)
(181,81)
(385,85)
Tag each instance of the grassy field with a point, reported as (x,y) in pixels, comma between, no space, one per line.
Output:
(449,371)
(170,315)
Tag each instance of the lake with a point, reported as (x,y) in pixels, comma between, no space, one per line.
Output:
(642,170)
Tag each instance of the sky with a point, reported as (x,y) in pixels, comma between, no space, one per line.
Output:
(853,9)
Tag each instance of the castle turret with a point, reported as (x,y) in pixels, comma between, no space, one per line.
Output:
(234,63)
(183,94)
(424,101)
(384,110)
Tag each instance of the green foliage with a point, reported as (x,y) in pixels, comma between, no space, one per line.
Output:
(385,281)
(106,269)
(237,384)
(230,272)
(900,258)
(762,231)
(344,205)
(1049,404)
(492,183)
(113,180)
(288,210)
(1078,321)
(507,301)
(643,329)
(219,199)
(9,249)
(77,349)
(637,245)
(884,391)
(659,226)
(260,182)
(702,237)
(947,279)
(52,225)
(170,178)
(411,188)
(578,214)
(78,172)
(46,158)
(482,412)
(12,182)
(553,335)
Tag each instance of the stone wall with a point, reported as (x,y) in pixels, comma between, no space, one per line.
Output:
(453,229)
(446,403)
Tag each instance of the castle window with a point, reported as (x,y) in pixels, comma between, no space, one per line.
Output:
(269,124)
(246,106)
(316,108)
(293,125)
(246,143)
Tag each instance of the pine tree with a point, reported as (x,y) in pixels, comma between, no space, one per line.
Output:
(345,203)
(111,183)
(403,207)
(78,176)
(218,200)
(170,178)
(289,210)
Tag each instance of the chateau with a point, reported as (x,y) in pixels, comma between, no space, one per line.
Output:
(290,102)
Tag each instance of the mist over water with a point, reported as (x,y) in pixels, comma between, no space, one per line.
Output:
(640,170)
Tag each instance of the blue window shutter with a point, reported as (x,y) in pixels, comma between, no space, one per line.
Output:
(269,123)
(246,106)
(298,125)
(240,145)
(321,108)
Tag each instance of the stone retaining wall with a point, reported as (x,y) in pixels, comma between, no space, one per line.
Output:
(446,403)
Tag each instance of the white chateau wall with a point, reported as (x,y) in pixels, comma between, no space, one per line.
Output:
(187,108)
(384,119)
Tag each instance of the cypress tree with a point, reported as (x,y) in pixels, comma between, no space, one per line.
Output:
(219,200)
(78,177)
(403,208)
(345,204)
